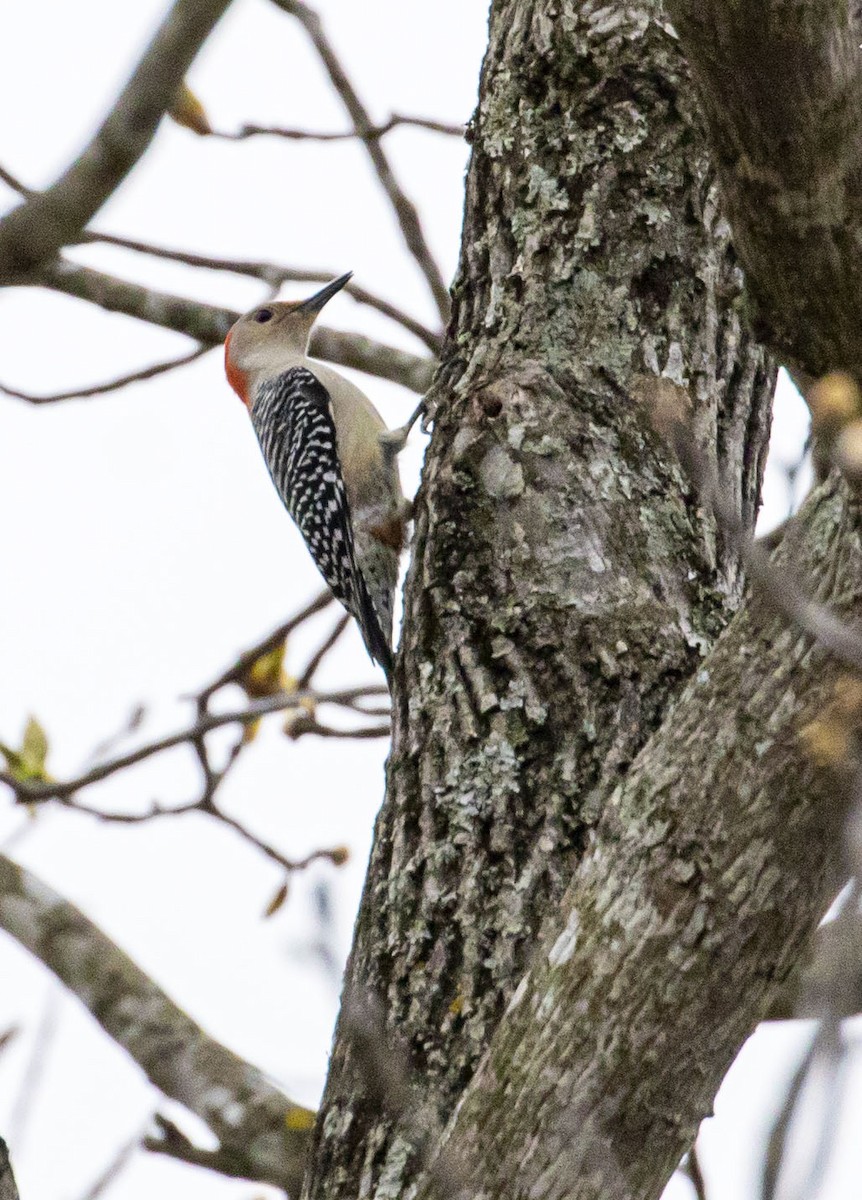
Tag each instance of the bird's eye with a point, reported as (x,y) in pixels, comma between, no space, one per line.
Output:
(262,315)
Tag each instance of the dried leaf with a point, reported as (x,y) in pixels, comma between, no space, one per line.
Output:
(188,111)
(834,400)
(277,900)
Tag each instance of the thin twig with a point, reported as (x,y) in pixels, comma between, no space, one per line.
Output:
(30,792)
(403,208)
(694,1171)
(305,725)
(249,657)
(274,274)
(37,1061)
(113,385)
(116,1165)
(369,134)
(14,182)
(323,649)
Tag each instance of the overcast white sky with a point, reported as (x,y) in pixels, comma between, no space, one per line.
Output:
(142,547)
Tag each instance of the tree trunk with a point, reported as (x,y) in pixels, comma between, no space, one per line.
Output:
(565,583)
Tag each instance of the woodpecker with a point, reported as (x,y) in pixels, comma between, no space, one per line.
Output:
(330,456)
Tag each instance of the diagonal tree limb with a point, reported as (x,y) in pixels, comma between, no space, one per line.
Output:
(34,231)
(781,87)
(712,863)
(264,1133)
(209,324)
(402,206)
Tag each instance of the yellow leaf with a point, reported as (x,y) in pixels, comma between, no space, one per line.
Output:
(28,763)
(299,1119)
(266,675)
(188,111)
(250,732)
(34,747)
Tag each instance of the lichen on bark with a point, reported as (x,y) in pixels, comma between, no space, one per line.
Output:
(564,582)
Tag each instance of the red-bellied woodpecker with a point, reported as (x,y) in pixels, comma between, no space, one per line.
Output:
(335,473)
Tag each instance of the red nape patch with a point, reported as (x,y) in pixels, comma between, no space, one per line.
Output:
(235,377)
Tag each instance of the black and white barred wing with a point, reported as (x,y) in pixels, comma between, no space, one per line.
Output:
(292,417)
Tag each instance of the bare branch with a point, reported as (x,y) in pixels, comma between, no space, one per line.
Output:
(246,660)
(371,133)
(308,724)
(694,1171)
(172,1142)
(36,792)
(322,650)
(115,1167)
(14,183)
(273,274)
(209,324)
(34,231)
(113,385)
(402,206)
(264,1131)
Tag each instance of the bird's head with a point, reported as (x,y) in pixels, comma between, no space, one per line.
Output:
(263,342)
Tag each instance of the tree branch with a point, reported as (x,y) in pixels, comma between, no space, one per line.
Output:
(113,385)
(403,208)
(274,274)
(209,324)
(781,87)
(372,133)
(255,1123)
(708,871)
(34,231)
(37,791)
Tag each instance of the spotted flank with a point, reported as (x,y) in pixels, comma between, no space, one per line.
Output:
(292,417)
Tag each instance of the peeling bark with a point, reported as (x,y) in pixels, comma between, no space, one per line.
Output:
(565,583)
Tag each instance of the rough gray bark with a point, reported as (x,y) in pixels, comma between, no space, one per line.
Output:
(8,1190)
(781,85)
(564,582)
(713,860)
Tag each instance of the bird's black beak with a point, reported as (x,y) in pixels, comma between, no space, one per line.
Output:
(316,302)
